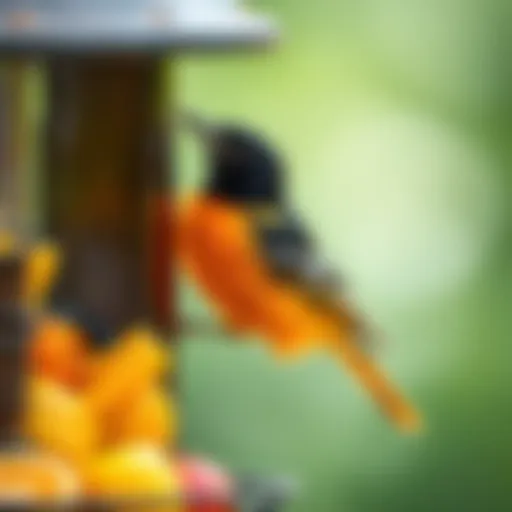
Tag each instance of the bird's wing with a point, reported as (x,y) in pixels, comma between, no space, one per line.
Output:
(290,253)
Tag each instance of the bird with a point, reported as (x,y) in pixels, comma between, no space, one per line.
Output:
(252,254)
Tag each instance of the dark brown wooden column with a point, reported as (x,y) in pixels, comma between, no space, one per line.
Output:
(13,330)
(106,188)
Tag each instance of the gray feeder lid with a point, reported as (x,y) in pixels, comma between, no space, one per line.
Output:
(128,25)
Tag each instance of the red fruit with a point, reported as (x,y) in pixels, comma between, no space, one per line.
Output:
(208,486)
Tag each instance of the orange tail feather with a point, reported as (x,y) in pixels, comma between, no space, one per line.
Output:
(393,404)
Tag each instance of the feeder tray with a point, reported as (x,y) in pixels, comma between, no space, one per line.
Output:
(106,189)
(255,495)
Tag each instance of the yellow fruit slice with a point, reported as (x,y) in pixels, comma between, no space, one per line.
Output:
(138,471)
(151,417)
(133,365)
(58,352)
(58,421)
(31,477)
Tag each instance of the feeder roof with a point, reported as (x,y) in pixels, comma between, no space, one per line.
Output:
(54,26)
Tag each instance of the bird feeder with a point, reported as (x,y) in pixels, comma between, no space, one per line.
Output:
(105,186)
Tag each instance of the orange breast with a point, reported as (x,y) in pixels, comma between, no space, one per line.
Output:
(212,241)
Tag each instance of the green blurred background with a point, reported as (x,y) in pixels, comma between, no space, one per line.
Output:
(395,118)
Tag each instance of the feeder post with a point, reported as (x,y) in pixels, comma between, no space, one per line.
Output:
(12,348)
(107,197)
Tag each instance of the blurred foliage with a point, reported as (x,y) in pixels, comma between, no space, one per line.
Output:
(395,118)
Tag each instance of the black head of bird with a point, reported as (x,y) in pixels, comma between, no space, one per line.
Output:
(243,167)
